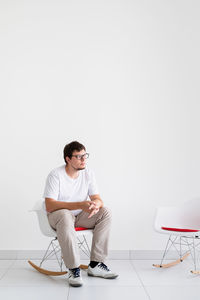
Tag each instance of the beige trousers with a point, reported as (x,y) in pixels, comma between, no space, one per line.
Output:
(64,222)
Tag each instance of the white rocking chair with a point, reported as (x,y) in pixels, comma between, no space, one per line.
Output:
(182,224)
(53,249)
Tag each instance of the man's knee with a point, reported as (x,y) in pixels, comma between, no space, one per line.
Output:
(63,216)
(106,212)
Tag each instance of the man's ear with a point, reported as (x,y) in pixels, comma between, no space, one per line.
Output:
(67,159)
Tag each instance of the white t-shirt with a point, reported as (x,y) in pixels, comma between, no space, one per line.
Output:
(60,186)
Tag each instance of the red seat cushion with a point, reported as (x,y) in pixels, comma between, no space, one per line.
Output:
(179,229)
(80,228)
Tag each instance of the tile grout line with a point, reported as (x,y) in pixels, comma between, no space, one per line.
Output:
(140,279)
(8,269)
(68,293)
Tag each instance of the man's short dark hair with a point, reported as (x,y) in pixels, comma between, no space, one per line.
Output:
(71,147)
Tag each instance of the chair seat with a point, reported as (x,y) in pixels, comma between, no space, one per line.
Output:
(179,229)
(80,228)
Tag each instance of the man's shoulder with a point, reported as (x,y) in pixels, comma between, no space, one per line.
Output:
(56,172)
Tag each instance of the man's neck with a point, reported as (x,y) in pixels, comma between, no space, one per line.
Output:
(71,172)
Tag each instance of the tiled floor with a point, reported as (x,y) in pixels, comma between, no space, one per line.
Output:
(137,280)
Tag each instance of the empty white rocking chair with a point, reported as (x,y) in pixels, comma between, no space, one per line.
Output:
(182,224)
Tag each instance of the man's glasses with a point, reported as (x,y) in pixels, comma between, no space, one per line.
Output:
(80,157)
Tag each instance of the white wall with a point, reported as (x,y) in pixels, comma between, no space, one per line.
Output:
(122,77)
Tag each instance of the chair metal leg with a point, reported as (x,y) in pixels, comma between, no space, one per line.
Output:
(173,242)
(55,250)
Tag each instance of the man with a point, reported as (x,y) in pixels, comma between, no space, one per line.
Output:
(68,206)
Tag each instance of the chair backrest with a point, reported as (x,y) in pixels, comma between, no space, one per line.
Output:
(185,216)
(194,204)
(44,225)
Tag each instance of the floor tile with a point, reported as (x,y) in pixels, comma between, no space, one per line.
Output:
(49,265)
(6,263)
(33,293)
(178,275)
(3,271)
(173,292)
(107,293)
(28,276)
(137,280)
(127,275)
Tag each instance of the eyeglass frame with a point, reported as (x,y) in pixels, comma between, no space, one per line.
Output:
(82,156)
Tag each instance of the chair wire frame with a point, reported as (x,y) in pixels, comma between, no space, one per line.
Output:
(183,245)
(54,250)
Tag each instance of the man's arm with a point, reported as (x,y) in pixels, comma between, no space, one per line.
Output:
(52,205)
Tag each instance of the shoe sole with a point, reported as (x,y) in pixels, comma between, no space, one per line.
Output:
(75,285)
(113,277)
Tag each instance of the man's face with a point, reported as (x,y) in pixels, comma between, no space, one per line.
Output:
(77,161)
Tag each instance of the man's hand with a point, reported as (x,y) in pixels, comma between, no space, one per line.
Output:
(94,208)
(85,205)
(90,207)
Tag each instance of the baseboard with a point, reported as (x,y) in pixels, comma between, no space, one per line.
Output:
(113,254)
(151,254)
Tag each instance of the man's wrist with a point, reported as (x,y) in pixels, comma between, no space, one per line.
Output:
(73,205)
(98,202)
